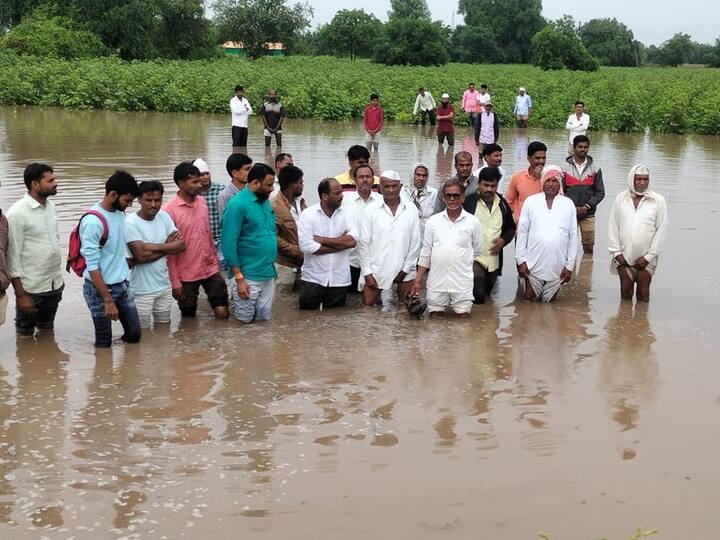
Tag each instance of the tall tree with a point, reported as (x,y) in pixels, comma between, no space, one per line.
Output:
(514,23)
(352,32)
(474,45)
(610,41)
(557,46)
(257,22)
(416,9)
(414,42)
(13,11)
(675,51)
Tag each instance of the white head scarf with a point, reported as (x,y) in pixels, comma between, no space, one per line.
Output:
(415,193)
(637,169)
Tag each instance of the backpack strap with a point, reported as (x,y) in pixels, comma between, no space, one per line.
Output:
(103,221)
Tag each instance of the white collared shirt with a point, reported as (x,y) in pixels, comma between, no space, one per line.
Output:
(241,111)
(34,254)
(426,201)
(577,126)
(424,103)
(330,269)
(637,232)
(476,172)
(449,248)
(389,244)
(547,238)
(355,204)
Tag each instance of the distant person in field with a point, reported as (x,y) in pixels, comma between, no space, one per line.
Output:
(523,108)
(444,115)
(492,156)
(636,234)
(469,103)
(4,276)
(272,114)
(487,127)
(547,239)
(482,98)
(583,184)
(425,103)
(373,121)
(578,122)
(527,181)
(241,110)
(34,257)
(357,155)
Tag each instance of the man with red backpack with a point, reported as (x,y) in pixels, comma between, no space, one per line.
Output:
(102,245)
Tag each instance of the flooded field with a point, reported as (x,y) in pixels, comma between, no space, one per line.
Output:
(585,419)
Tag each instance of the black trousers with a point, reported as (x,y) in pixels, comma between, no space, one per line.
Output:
(483,282)
(46,306)
(313,295)
(239,136)
(427,114)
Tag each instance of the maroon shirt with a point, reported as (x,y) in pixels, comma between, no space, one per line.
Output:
(373,118)
(445,126)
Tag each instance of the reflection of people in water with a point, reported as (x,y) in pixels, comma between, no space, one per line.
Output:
(628,372)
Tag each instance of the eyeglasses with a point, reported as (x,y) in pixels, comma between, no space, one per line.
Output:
(452,196)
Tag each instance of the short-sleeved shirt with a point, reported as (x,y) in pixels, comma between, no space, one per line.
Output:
(149,278)
(272,112)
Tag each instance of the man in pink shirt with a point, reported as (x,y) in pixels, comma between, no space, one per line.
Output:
(469,103)
(198,266)
(373,119)
(526,182)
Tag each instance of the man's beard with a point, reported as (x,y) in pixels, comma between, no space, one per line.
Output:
(262,196)
(116,205)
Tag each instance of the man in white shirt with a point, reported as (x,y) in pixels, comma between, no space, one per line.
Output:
(453,238)
(578,122)
(420,194)
(482,98)
(34,257)
(636,233)
(425,103)
(389,243)
(151,235)
(241,110)
(327,233)
(357,203)
(547,239)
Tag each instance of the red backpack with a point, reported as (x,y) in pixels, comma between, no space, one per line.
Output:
(75,260)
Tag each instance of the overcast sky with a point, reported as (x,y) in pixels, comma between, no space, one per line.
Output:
(651,22)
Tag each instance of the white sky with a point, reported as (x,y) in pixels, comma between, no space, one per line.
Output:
(652,21)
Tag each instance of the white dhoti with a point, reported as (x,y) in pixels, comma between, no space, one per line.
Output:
(545,291)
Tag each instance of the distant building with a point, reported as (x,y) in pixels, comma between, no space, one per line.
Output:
(236,48)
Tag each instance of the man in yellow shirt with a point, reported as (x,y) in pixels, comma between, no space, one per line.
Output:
(357,155)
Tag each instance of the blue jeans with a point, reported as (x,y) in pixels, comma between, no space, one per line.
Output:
(256,308)
(127,313)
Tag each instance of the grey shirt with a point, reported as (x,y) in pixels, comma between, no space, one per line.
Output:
(471,188)
(224,196)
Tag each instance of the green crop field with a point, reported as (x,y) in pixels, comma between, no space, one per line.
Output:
(668,100)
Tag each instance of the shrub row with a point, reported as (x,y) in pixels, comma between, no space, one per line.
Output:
(668,100)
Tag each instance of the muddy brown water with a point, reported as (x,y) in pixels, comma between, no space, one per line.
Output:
(586,418)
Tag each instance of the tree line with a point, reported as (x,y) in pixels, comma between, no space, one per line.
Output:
(494,31)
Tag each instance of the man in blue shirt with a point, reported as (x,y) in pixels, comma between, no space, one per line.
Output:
(106,287)
(523,108)
(249,243)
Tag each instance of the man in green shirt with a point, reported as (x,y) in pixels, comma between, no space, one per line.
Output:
(249,244)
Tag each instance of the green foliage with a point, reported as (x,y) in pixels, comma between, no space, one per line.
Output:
(674,51)
(610,41)
(257,22)
(557,46)
(414,9)
(352,32)
(472,44)
(514,23)
(48,36)
(672,100)
(412,42)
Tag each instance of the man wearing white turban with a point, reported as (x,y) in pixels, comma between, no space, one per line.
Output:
(547,239)
(636,233)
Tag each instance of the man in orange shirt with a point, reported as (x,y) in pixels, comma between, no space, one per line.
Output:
(526,182)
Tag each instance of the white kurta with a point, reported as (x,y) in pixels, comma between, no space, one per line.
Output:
(547,238)
(329,269)
(241,110)
(389,244)
(637,232)
(577,126)
(449,248)
(357,206)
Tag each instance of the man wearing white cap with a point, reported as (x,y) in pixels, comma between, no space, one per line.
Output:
(210,192)
(444,116)
(389,243)
(547,239)
(523,108)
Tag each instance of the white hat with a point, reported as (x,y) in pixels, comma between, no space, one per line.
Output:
(391,175)
(522,89)
(445,96)
(201,166)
